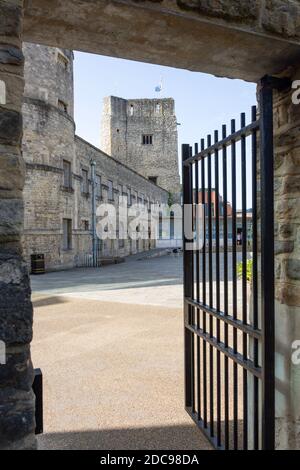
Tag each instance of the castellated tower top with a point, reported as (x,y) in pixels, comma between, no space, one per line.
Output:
(142,133)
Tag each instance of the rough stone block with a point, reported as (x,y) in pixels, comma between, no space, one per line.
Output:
(285,246)
(17,416)
(11,219)
(12,171)
(14,86)
(293,269)
(15,309)
(288,294)
(11,18)
(11,127)
(10,54)
(291,184)
(233,10)
(286,230)
(287,210)
(17,373)
(282,17)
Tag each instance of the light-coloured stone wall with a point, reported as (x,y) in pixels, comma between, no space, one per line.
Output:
(124,122)
(49,140)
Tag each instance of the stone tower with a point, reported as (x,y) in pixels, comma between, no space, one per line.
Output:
(142,133)
(48,142)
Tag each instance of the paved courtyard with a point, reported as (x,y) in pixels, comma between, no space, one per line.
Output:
(110,344)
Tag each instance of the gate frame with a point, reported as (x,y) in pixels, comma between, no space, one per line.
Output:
(267,303)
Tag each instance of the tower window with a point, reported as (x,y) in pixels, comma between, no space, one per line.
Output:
(62,106)
(67,174)
(147,139)
(153,179)
(157,108)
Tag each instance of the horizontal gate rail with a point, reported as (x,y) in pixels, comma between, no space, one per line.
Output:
(229,341)
(244,327)
(229,352)
(226,142)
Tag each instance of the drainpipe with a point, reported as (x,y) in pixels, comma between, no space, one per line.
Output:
(94,234)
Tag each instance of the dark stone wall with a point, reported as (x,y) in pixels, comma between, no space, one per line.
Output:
(17,421)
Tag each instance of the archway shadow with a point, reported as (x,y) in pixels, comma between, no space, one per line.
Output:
(177,437)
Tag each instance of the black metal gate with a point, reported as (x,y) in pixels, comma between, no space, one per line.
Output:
(229,298)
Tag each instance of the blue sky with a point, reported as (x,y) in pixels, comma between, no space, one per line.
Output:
(203,102)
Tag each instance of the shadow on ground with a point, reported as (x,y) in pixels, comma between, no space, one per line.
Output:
(48,301)
(181,437)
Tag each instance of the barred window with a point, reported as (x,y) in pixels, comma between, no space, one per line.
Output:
(147,139)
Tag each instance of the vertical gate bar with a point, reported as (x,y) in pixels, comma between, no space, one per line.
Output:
(234,287)
(187,277)
(192,311)
(210,272)
(217,228)
(225,236)
(244,280)
(204,352)
(198,285)
(267,263)
(255,280)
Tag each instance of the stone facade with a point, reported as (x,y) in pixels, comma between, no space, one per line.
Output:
(143,135)
(287,263)
(49,142)
(17,420)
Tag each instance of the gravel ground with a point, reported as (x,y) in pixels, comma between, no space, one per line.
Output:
(113,375)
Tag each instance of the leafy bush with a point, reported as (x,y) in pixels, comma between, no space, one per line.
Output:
(248,269)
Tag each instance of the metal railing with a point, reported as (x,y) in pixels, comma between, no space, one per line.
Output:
(229,321)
